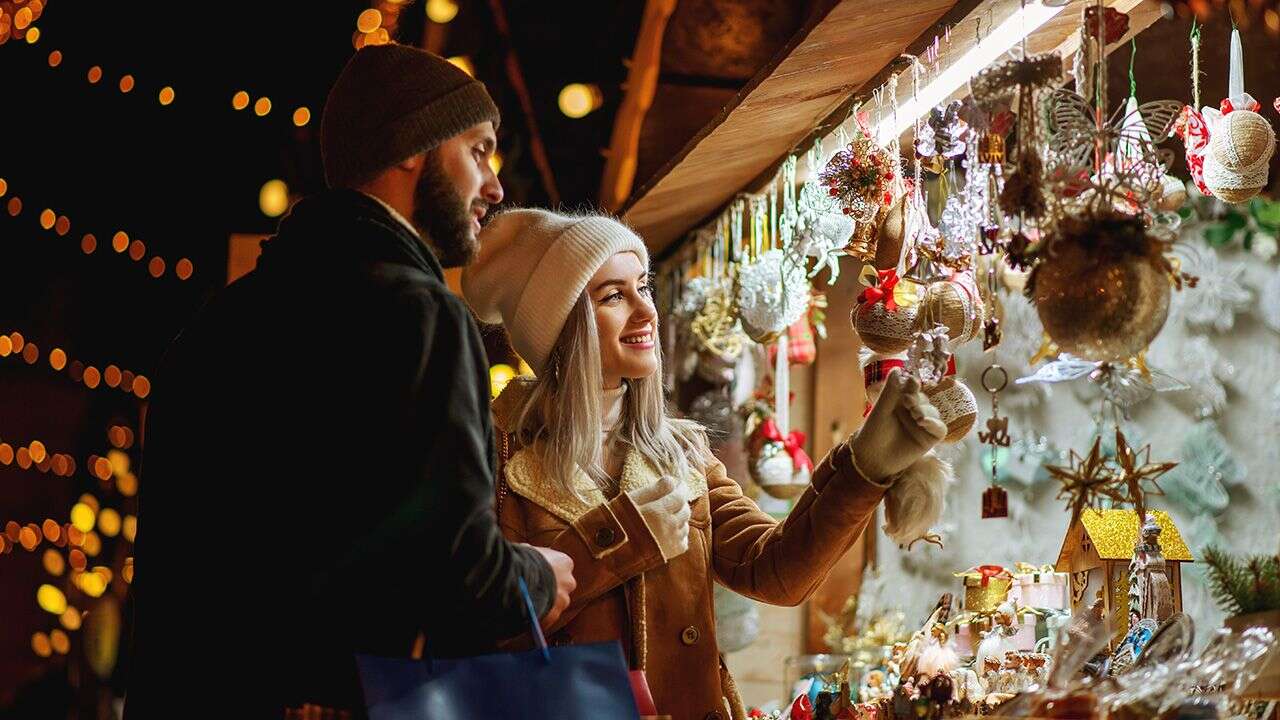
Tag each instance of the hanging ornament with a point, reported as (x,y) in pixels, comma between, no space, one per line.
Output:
(942,137)
(772,294)
(1022,194)
(1103,290)
(956,406)
(956,304)
(995,501)
(885,315)
(929,358)
(821,227)
(860,176)
(1086,481)
(1241,142)
(776,459)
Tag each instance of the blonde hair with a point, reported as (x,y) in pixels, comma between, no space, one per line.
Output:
(562,414)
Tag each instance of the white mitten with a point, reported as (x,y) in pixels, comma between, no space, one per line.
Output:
(901,428)
(665,510)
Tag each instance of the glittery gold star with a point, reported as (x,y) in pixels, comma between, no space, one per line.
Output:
(1135,469)
(1086,480)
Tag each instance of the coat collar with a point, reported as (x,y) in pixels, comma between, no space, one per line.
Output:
(527,477)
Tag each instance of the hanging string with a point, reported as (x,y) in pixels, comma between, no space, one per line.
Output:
(1195,63)
(1133,80)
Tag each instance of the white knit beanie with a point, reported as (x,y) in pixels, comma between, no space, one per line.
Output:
(533,266)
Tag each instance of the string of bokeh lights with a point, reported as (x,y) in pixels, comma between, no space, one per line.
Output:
(121,243)
(16,345)
(89,521)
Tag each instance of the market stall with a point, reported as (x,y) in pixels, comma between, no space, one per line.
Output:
(966,186)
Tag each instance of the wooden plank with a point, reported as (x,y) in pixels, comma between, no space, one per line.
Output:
(832,57)
(831,63)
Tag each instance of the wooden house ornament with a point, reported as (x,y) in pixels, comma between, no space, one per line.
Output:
(1097,551)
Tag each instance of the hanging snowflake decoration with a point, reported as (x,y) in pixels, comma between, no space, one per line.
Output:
(1208,465)
(1205,371)
(1219,295)
(822,230)
(1269,300)
(942,136)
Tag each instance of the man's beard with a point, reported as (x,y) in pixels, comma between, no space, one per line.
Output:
(443,217)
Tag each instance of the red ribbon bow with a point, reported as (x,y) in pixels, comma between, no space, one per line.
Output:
(886,281)
(1227,107)
(990,571)
(792,441)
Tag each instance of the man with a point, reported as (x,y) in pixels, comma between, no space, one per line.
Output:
(319,453)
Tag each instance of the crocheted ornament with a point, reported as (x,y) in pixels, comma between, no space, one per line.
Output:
(772,294)
(1173,194)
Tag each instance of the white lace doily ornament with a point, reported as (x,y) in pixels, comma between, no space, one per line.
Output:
(772,294)
(1220,292)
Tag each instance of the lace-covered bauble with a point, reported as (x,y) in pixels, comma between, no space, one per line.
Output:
(885,331)
(957,406)
(772,294)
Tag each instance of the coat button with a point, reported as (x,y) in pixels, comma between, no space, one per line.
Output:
(605,536)
(713,715)
(689,636)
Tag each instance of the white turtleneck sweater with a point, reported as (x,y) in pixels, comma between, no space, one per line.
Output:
(611,405)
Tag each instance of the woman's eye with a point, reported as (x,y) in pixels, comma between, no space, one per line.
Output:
(612,297)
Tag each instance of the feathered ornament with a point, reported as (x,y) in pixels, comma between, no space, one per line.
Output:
(915,503)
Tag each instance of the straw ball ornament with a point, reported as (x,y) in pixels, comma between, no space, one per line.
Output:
(954,303)
(1242,141)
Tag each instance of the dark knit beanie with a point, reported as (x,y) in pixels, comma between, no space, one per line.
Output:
(390,103)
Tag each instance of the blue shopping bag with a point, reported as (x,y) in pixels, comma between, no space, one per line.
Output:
(570,682)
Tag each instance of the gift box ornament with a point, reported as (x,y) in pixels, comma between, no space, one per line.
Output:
(985,587)
(1040,587)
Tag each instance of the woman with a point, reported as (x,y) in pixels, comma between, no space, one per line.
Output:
(596,468)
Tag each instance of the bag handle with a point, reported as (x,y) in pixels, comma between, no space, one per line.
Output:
(538,638)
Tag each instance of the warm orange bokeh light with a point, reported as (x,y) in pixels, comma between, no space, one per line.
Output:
(88,244)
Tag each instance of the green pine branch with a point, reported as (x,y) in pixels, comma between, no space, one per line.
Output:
(1242,586)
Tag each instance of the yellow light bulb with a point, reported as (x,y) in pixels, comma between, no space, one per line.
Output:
(82,517)
(441,11)
(499,376)
(273,198)
(578,100)
(51,600)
